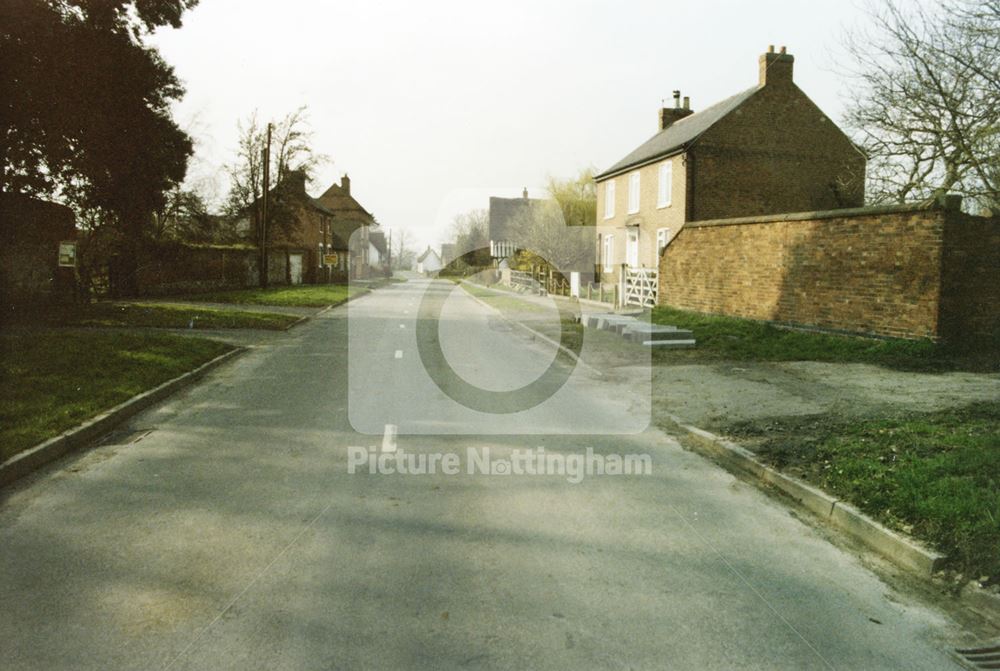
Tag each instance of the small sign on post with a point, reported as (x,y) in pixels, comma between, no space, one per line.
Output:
(331,259)
(67,254)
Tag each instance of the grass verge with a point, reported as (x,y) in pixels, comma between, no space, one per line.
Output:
(165,315)
(53,381)
(933,475)
(732,339)
(303,295)
(545,320)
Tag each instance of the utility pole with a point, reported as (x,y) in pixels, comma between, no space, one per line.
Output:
(266,160)
(390,252)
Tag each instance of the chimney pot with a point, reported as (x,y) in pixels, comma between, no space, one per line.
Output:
(776,68)
(668,115)
(524,193)
(770,48)
(345,184)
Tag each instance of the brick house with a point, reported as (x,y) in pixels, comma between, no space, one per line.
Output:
(766,150)
(310,241)
(353,224)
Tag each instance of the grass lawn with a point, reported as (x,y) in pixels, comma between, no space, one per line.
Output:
(303,295)
(543,319)
(732,339)
(503,300)
(164,315)
(52,381)
(934,475)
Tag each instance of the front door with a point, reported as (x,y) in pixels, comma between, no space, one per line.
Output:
(295,268)
(632,248)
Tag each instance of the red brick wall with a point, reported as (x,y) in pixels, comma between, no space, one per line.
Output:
(874,271)
(970,290)
(776,153)
(171,267)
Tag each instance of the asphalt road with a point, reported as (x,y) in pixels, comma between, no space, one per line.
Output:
(232,536)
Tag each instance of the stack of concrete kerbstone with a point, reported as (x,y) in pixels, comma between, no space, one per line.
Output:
(640,331)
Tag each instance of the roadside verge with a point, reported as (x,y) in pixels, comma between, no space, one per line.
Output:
(530,331)
(899,549)
(30,460)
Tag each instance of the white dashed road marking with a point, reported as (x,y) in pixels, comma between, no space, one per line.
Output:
(389,438)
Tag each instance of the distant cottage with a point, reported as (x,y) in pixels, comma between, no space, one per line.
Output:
(504,216)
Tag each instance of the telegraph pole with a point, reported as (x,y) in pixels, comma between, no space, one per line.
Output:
(266,160)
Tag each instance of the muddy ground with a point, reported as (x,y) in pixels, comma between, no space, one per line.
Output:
(718,395)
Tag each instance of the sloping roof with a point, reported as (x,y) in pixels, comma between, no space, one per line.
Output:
(314,202)
(377,238)
(679,134)
(427,253)
(341,202)
(337,242)
(503,211)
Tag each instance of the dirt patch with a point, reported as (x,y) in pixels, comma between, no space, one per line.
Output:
(720,395)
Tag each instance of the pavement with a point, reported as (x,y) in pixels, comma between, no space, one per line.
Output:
(222,529)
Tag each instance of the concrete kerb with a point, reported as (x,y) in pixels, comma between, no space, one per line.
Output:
(533,333)
(899,549)
(322,311)
(32,459)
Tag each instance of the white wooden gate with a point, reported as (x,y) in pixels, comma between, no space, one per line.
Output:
(640,286)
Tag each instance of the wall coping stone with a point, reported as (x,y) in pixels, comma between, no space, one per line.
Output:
(947,203)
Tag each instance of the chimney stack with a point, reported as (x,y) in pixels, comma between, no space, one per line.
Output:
(345,184)
(296,180)
(670,115)
(524,193)
(776,68)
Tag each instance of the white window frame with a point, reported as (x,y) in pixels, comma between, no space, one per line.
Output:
(634,192)
(609,253)
(665,186)
(609,199)
(662,237)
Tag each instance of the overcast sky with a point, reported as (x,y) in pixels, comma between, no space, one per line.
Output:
(432,106)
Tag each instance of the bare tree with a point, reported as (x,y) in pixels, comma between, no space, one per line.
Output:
(291,150)
(402,256)
(543,238)
(927,100)
(246,172)
(470,231)
(183,216)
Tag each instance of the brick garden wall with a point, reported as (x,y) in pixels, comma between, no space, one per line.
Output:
(970,283)
(172,268)
(881,271)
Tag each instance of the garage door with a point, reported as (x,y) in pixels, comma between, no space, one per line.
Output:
(295,268)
